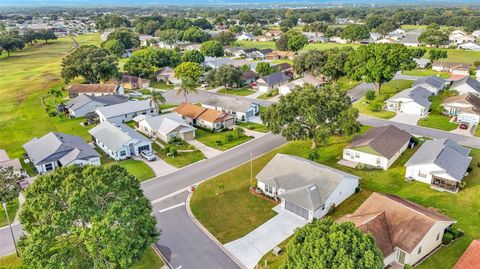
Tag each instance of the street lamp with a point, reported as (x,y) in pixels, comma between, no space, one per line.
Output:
(10,225)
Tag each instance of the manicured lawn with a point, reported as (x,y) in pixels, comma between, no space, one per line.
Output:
(325,46)
(253,126)
(363,107)
(281,61)
(256,44)
(137,168)
(24,79)
(477,132)
(161,85)
(395,86)
(232,212)
(437,121)
(210,139)
(239,92)
(12,208)
(166,106)
(425,73)
(346,84)
(268,95)
(150,261)
(182,159)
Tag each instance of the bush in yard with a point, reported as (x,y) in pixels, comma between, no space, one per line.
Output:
(229,137)
(218,142)
(240,131)
(371,95)
(375,106)
(313,155)
(447,238)
(173,151)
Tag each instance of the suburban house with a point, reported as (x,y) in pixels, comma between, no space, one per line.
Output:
(190,46)
(165,127)
(470,258)
(216,63)
(307,79)
(273,33)
(6,162)
(235,51)
(465,107)
(404,232)
(83,104)
(414,101)
(272,81)
(277,54)
(379,147)
(305,188)
(259,54)
(456,69)
(167,75)
(442,163)
(241,109)
(469,46)
(94,89)
(204,117)
(119,141)
(466,85)
(422,63)
(250,77)
(124,112)
(461,39)
(284,67)
(55,150)
(432,83)
(131,82)
(246,37)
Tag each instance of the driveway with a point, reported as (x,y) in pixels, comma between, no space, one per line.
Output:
(253,133)
(256,119)
(206,150)
(251,248)
(159,166)
(360,90)
(406,118)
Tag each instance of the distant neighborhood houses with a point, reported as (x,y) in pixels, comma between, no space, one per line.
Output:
(76,90)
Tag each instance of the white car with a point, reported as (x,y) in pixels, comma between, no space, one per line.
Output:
(148,155)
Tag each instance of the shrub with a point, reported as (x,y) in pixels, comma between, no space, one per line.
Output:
(173,151)
(469,169)
(218,142)
(52,113)
(229,137)
(455,232)
(415,140)
(313,155)
(447,238)
(371,95)
(375,106)
(407,266)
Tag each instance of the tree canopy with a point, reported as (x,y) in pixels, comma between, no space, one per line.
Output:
(324,244)
(355,32)
(226,38)
(11,42)
(212,48)
(188,69)
(309,113)
(128,38)
(86,217)
(193,56)
(227,76)
(92,63)
(114,47)
(144,62)
(9,188)
(378,63)
(433,37)
(264,68)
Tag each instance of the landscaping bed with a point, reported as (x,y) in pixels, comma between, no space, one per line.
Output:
(221,140)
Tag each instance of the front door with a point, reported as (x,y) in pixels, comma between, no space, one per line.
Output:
(401,256)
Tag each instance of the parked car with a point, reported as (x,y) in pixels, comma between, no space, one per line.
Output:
(464,126)
(135,94)
(148,155)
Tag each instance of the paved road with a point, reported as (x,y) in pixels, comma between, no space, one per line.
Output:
(422,131)
(360,90)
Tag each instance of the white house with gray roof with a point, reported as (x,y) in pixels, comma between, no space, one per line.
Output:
(83,104)
(119,141)
(466,85)
(166,127)
(442,163)
(55,150)
(410,101)
(305,188)
(432,83)
(272,81)
(241,109)
(125,112)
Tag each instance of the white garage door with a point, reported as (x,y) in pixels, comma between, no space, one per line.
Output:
(300,211)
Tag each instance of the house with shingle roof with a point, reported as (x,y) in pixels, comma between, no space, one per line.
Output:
(242,110)
(379,147)
(404,232)
(124,112)
(432,83)
(465,107)
(119,141)
(165,127)
(470,258)
(94,89)
(55,150)
(466,85)
(442,163)
(456,69)
(83,104)
(272,81)
(6,162)
(205,117)
(132,82)
(305,188)
(414,101)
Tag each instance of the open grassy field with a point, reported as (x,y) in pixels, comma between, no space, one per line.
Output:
(24,79)
(232,212)
(346,84)
(150,261)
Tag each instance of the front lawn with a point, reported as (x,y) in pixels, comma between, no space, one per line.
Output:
(12,208)
(395,86)
(363,106)
(161,85)
(220,140)
(182,158)
(346,84)
(437,121)
(228,210)
(253,126)
(137,168)
(425,73)
(477,131)
(239,92)
(150,261)
(268,95)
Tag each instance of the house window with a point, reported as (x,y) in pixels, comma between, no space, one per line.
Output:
(125,115)
(420,174)
(379,161)
(438,236)
(48,167)
(347,153)
(357,155)
(269,189)
(123,153)
(419,250)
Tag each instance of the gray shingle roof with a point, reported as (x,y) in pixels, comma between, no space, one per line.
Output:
(116,135)
(417,94)
(229,103)
(445,153)
(433,81)
(275,78)
(104,100)
(307,184)
(167,123)
(474,84)
(125,108)
(58,147)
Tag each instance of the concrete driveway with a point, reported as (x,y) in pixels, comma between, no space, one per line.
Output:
(159,166)
(360,90)
(409,119)
(251,248)
(206,150)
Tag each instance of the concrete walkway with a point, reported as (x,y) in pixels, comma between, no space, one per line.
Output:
(206,150)
(251,248)
(159,166)
(255,94)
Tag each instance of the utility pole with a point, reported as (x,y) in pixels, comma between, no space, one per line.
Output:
(10,225)
(251,169)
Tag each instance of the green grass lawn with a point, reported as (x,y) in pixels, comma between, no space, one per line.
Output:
(150,261)
(161,85)
(12,208)
(239,92)
(477,132)
(346,84)
(210,139)
(268,95)
(281,61)
(24,79)
(253,126)
(395,86)
(182,159)
(436,119)
(231,212)
(425,73)
(363,107)
(271,45)
(137,168)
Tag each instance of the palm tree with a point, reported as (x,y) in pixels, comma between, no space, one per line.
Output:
(55,93)
(187,86)
(156,98)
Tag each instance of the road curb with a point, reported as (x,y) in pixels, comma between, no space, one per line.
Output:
(220,245)
(165,261)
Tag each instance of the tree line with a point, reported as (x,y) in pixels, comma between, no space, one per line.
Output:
(12,41)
